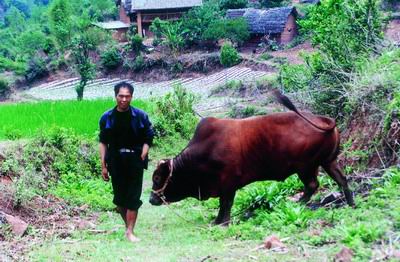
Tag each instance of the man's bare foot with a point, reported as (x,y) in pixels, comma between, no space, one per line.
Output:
(131,237)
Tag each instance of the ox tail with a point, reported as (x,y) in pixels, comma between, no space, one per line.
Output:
(284,100)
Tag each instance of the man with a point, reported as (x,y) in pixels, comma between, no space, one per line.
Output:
(125,137)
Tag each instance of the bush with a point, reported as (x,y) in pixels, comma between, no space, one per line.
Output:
(8,64)
(59,162)
(235,30)
(4,88)
(36,69)
(136,43)
(138,64)
(111,58)
(229,56)
(175,114)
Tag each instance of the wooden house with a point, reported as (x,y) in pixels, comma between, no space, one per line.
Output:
(276,23)
(143,12)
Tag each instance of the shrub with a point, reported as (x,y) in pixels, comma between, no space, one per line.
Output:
(229,56)
(138,64)
(111,58)
(243,112)
(265,56)
(175,114)
(8,64)
(36,69)
(235,30)
(136,43)
(4,88)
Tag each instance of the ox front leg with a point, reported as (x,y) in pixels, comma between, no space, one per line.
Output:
(225,206)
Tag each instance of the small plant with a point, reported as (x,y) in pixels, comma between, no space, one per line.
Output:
(243,112)
(111,58)
(229,56)
(138,64)
(265,56)
(176,114)
(136,43)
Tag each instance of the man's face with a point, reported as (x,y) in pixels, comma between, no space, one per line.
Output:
(124,99)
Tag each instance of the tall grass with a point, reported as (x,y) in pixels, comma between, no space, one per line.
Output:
(23,120)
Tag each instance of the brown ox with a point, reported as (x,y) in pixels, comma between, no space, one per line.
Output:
(227,154)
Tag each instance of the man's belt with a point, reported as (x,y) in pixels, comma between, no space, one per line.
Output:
(126,150)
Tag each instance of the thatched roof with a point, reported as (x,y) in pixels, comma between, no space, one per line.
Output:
(264,21)
(139,5)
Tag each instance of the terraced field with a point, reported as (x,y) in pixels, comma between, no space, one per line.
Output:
(103,87)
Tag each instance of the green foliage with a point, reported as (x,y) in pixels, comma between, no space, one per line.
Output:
(82,44)
(235,30)
(4,88)
(31,41)
(58,161)
(243,112)
(198,19)
(8,64)
(111,58)
(175,114)
(295,77)
(229,56)
(265,56)
(36,69)
(172,35)
(356,23)
(138,64)
(15,20)
(136,43)
(233,4)
(61,22)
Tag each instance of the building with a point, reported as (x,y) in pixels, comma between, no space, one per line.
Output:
(142,12)
(118,29)
(276,23)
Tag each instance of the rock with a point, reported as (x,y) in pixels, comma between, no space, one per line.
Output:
(18,226)
(345,255)
(273,242)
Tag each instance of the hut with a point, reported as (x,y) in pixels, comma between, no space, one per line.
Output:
(118,29)
(278,23)
(143,12)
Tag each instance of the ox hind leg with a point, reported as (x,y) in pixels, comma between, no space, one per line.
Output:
(225,206)
(311,184)
(336,174)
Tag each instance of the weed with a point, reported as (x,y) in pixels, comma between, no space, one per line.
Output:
(265,56)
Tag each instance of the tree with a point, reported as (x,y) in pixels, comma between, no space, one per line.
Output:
(15,20)
(82,45)
(198,19)
(60,22)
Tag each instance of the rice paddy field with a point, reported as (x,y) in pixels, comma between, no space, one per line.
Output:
(23,120)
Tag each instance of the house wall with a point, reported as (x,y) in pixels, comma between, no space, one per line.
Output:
(120,34)
(123,16)
(290,30)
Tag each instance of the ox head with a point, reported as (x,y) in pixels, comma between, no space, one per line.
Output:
(161,177)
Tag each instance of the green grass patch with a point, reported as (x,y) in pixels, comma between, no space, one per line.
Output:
(24,120)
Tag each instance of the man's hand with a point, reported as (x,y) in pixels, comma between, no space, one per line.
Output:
(145,151)
(104,173)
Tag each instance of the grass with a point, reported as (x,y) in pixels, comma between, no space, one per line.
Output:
(23,120)
(309,235)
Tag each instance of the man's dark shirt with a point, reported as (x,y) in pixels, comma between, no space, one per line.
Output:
(130,129)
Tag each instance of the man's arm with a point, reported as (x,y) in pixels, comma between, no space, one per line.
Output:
(145,151)
(104,170)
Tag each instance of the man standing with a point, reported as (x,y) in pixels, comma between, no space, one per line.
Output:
(125,137)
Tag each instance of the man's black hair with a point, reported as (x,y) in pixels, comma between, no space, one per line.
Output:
(123,84)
